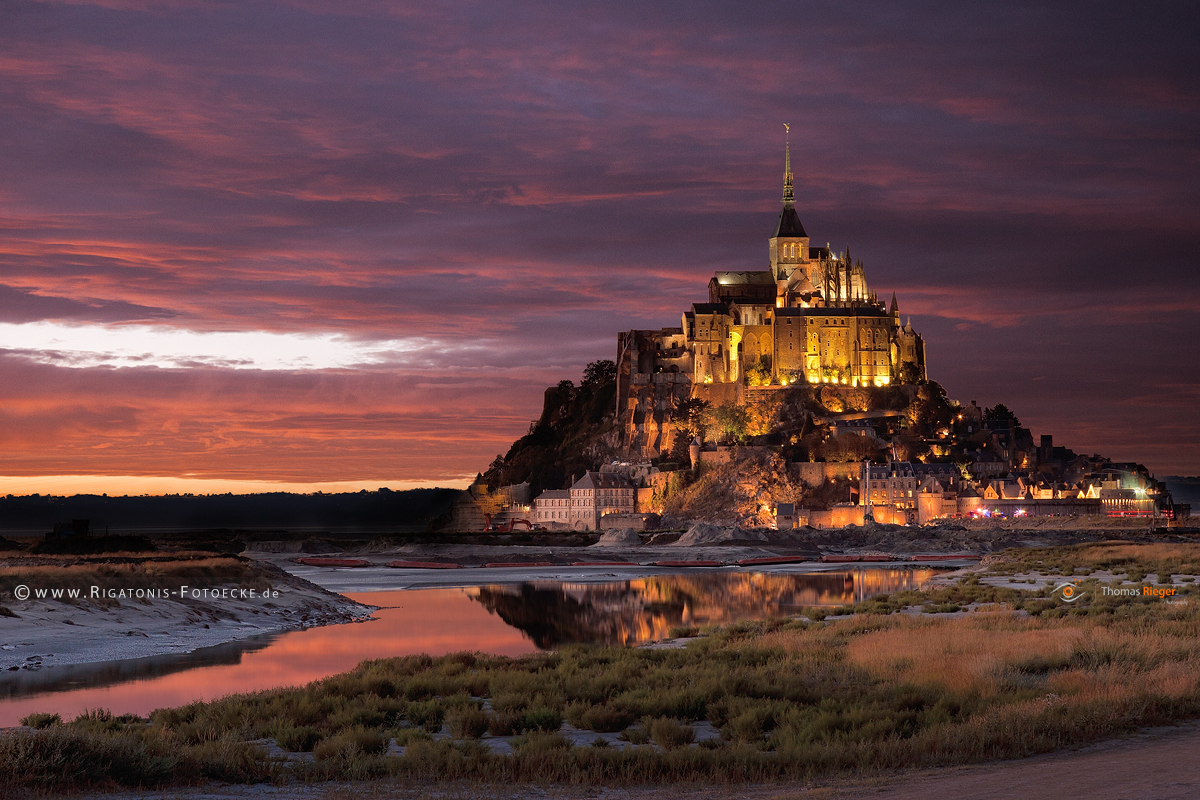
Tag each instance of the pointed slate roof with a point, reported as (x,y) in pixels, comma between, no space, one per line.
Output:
(789,223)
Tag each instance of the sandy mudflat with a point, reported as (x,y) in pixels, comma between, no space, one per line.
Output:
(49,633)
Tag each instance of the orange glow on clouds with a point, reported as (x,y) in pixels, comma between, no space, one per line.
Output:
(118,485)
(442,196)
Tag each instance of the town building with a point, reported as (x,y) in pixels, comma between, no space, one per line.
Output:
(786,518)
(596,494)
(552,507)
(894,484)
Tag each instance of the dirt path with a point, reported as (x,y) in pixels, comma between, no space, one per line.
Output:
(1160,764)
(1157,764)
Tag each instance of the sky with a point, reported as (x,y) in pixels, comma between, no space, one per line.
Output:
(313,244)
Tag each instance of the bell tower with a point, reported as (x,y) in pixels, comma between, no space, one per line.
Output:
(789,244)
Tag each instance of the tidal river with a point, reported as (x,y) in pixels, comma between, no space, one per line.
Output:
(498,618)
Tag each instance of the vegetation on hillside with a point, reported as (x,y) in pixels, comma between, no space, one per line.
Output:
(567,439)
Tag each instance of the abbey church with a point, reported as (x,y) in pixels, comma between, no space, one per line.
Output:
(809,317)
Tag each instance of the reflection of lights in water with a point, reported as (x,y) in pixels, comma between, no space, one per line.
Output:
(643,609)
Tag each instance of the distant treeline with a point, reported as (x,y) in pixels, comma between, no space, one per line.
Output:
(383,508)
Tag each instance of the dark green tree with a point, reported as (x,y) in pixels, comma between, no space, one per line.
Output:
(599,373)
(1001,413)
(690,419)
(732,420)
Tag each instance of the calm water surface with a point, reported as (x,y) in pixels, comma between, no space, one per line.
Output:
(504,619)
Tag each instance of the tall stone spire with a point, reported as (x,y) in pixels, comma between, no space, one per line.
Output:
(789,226)
(789,199)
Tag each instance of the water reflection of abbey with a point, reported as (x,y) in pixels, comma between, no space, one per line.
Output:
(645,609)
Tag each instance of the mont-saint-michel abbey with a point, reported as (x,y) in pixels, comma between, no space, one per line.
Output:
(792,396)
(809,316)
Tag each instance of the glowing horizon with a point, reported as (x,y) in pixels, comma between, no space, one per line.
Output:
(136,486)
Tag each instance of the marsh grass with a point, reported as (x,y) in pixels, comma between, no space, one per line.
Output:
(1135,561)
(1023,673)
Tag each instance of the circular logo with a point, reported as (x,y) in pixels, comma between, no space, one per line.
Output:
(21,592)
(1068,592)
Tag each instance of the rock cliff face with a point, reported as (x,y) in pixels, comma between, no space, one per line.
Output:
(646,430)
(742,491)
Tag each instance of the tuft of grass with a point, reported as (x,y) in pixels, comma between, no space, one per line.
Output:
(427,714)
(299,739)
(350,744)
(506,724)
(605,719)
(542,719)
(635,735)
(40,721)
(406,736)
(536,742)
(467,722)
(670,734)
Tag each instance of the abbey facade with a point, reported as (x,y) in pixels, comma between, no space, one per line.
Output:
(808,318)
